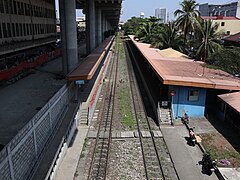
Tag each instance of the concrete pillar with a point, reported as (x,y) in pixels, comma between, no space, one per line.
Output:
(69,34)
(103,25)
(90,23)
(63,37)
(99,26)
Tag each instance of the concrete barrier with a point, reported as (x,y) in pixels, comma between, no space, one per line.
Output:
(21,155)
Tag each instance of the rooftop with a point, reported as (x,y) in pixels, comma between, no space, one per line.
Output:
(232,99)
(220,17)
(182,71)
(234,37)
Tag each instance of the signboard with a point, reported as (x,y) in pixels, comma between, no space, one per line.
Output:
(172,93)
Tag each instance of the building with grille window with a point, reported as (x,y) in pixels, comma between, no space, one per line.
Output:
(231,9)
(26,23)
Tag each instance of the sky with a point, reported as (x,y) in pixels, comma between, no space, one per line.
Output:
(135,7)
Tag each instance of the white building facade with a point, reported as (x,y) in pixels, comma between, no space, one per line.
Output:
(161,13)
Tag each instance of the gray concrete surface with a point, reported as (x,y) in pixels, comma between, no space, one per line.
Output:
(22,100)
(69,164)
(19,101)
(185,157)
(202,125)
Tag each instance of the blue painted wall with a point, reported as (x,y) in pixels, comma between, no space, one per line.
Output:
(181,102)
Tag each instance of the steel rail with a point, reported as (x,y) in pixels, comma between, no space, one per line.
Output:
(108,104)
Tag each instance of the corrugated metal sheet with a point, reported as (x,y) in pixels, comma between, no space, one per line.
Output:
(232,99)
(182,71)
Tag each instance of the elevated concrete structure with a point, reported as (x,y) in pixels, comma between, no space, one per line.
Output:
(102,16)
(20,157)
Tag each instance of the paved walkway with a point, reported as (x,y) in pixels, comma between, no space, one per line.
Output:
(185,157)
(69,164)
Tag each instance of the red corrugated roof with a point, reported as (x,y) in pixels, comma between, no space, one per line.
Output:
(220,17)
(234,37)
(186,72)
(232,99)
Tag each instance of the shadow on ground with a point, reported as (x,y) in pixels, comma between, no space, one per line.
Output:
(223,128)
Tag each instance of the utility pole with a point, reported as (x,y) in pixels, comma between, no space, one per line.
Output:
(205,45)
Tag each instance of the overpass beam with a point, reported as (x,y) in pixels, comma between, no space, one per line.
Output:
(68,34)
(91,26)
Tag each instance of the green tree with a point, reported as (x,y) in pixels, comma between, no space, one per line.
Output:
(169,38)
(187,17)
(226,59)
(132,25)
(148,30)
(208,39)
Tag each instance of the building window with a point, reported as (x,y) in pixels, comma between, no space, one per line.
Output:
(9,30)
(27,26)
(14,7)
(4,27)
(13,30)
(24,30)
(0,30)
(10,3)
(17,29)
(21,30)
(228,32)
(6,6)
(222,23)
(193,95)
(1,6)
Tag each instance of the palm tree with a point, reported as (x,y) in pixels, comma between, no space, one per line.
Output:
(148,29)
(209,39)
(168,37)
(187,16)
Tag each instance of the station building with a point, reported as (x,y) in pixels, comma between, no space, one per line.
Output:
(187,85)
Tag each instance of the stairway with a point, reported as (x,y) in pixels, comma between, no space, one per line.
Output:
(165,116)
(84,114)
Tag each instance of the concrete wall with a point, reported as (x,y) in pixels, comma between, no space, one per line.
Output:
(93,97)
(229,25)
(182,104)
(21,155)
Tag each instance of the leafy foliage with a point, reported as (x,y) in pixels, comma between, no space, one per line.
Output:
(148,30)
(169,38)
(187,16)
(132,25)
(207,38)
(227,60)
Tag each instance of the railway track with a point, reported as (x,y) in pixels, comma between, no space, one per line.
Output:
(157,161)
(99,163)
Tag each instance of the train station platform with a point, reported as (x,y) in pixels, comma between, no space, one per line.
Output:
(68,149)
(175,69)
(185,157)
